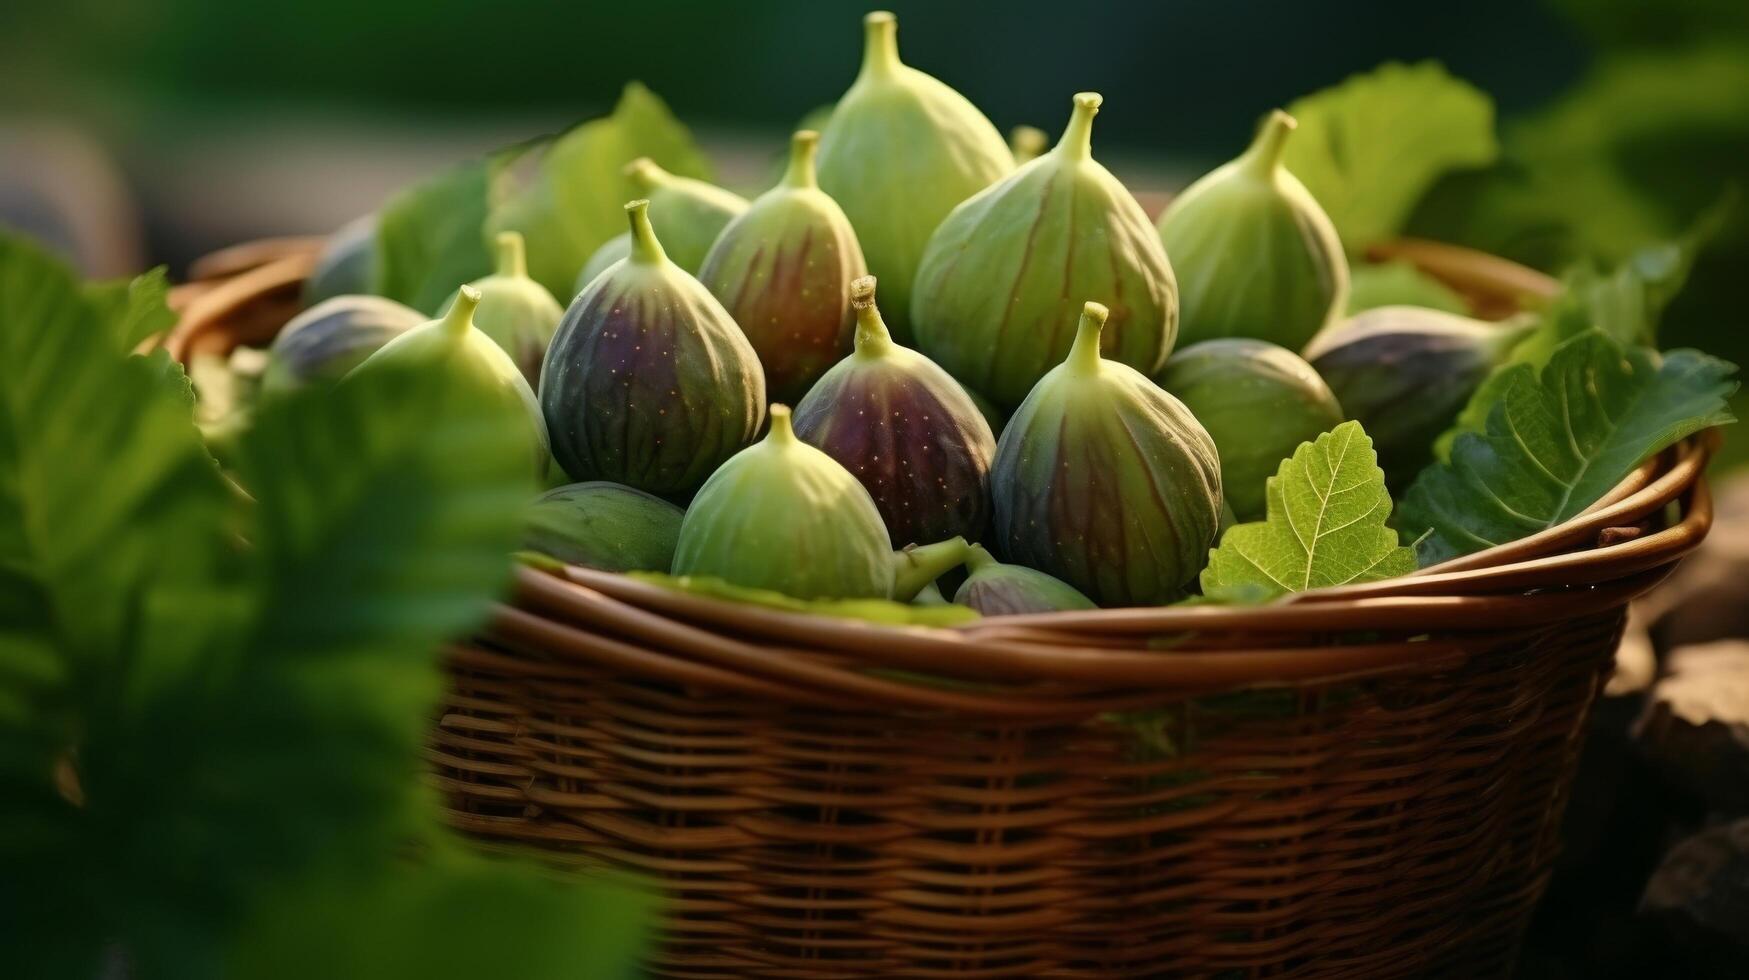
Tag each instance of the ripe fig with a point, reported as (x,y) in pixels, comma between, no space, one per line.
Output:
(1105,481)
(784,516)
(692,214)
(1255,254)
(1405,373)
(604,525)
(648,381)
(515,310)
(783,270)
(995,589)
(1027,143)
(346,265)
(900,150)
(999,291)
(906,429)
(1258,401)
(333,337)
(473,359)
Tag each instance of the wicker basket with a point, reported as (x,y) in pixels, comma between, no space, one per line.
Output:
(1364,781)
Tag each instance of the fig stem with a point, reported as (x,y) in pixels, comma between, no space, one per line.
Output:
(512,255)
(645,175)
(919,565)
(1084,355)
(645,246)
(977,556)
(460,318)
(880,45)
(803,147)
(1077,141)
(782,432)
(872,336)
(1263,157)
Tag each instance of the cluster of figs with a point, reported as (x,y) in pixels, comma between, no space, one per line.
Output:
(1052,392)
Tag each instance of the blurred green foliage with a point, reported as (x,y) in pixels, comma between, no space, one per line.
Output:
(212,704)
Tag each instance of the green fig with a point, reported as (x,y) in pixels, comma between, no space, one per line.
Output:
(900,151)
(1405,373)
(995,589)
(331,338)
(648,381)
(906,429)
(1255,254)
(604,525)
(783,270)
(784,516)
(999,292)
(1105,481)
(473,359)
(691,212)
(1027,143)
(1258,401)
(515,310)
(347,263)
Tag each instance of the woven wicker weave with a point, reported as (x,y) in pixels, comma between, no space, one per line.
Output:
(1359,782)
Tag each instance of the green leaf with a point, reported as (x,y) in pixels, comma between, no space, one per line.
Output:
(133,309)
(1558,439)
(1369,148)
(1625,303)
(1372,285)
(111,514)
(431,237)
(454,918)
(1327,507)
(576,199)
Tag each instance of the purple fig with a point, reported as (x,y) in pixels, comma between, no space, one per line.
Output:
(1105,481)
(783,270)
(995,589)
(692,213)
(906,429)
(649,382)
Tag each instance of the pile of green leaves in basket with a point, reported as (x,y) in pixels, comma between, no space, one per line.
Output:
(918,359)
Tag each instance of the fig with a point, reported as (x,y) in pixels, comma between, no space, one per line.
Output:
(1258,402)
(899,152)
(783,269)
(1405,373)
(604,525)
(998,293)
(648,381)
(473,360)
(1255,254)
(1105,481)
(905,429)
(1027,143)
(995,589)
(331,338)
(784,516)
(692,214)
(346,265)
(516,311)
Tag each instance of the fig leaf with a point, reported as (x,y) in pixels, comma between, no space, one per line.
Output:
(1369,148)
(1327,507)
(575,200)
(1558,439)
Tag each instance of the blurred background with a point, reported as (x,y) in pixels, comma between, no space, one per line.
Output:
(139,132)
(135,132)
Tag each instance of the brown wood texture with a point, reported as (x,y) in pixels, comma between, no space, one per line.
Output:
(1356,782)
